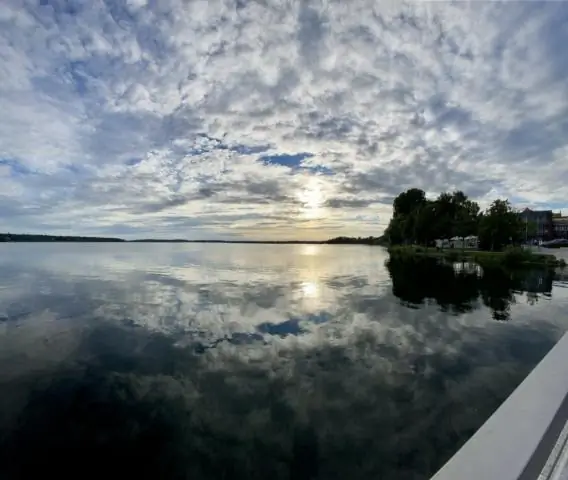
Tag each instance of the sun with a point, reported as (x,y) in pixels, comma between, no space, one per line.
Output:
(312,199)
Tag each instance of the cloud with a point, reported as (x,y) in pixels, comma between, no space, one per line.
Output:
(349,202)
(124,114)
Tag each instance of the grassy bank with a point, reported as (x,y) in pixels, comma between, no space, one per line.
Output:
(511,257)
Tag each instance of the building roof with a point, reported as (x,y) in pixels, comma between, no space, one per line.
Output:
(536,213)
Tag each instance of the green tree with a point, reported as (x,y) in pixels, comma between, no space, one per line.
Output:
(445,213)
(409,201)
(417,219)
(466,220)
(395,232)
(500,226)
(427,224)
(402,227)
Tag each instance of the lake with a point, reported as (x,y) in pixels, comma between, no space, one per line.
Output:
(256,361)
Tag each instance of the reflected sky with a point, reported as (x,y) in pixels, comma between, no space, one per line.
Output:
(244,361)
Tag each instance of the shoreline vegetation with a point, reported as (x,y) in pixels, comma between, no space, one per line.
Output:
(11,237)
(510,257)
(420,226)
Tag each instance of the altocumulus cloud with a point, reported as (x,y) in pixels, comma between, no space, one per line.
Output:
(273,119)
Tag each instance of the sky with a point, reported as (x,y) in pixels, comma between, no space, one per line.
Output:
(274,119)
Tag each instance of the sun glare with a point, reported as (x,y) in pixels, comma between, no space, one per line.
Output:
(310,250)
(312,198)
(310,289)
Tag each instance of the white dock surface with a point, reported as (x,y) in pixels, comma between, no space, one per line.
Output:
(518,439)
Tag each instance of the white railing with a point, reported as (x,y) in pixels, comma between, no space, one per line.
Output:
(517,440)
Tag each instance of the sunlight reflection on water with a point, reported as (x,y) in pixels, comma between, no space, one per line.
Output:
(240,352)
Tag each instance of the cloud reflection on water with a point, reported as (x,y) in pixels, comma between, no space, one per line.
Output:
(214,362)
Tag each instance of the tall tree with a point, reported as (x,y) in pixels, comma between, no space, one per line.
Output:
(466,219)
(500,226)
(458,197)
(402,227)
(445,212)
(395,232)
(426,223)
(409,201)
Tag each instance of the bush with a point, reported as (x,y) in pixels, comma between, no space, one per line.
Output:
(516,256)
(452,256)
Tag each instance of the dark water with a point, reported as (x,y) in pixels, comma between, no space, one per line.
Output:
(279,362)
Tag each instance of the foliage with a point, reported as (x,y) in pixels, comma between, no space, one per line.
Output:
(466,218)
(10,237)
(418,220)
(499,226)
(409,201)
(453,256)
(511,257)
(358,240)
(516,255)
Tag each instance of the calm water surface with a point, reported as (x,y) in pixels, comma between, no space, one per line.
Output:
(255,361)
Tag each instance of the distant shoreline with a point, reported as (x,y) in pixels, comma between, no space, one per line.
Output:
(12,237)
(270,242)
(30,238)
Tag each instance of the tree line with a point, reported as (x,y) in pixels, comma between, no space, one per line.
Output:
(418,220)
(358,240)
(12,237)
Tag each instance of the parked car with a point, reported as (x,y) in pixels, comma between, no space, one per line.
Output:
(556,243)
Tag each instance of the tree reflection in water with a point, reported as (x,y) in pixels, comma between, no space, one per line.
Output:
(459,288)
